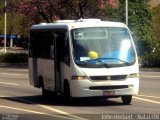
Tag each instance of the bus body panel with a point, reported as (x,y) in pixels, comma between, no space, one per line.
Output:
(85,87)
(110,71)
(46,71)
(32,64)
(80,88)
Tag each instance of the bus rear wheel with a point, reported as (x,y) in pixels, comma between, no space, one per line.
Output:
(45,93)
(66,89)
(126,99)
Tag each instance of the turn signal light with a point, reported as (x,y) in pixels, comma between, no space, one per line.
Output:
(78,77)
(134,75)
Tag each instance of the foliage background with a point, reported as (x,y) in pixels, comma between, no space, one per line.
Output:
(143,20)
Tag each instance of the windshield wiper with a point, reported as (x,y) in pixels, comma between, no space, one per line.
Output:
(105,64)
(89,63)
(124,62)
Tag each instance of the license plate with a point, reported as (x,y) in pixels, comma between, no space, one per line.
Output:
(108,93)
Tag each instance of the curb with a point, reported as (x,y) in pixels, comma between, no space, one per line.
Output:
(150,70)
(13,65)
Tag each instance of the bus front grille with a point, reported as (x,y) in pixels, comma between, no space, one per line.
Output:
(108,87)
(114,77)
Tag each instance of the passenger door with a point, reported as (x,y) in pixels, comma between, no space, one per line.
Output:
(59,56)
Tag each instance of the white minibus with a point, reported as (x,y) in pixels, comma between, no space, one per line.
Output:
(84,58)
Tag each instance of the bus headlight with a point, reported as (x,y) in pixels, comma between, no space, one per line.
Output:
(134,75)
(79,77)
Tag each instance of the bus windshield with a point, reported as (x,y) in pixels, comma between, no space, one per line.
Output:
(102,47)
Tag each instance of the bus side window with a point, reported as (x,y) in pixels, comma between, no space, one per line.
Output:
(66,49)
(52,51)
(62,43)
(52,47)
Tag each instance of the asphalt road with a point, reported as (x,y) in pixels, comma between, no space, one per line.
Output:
(20,101)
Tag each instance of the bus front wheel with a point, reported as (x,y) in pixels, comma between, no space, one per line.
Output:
(126,99)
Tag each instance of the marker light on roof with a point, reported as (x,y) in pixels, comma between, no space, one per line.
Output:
(88,20)
(43,23)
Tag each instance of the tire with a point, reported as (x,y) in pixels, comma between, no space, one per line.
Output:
(45,93)
(66,89)
(126,99)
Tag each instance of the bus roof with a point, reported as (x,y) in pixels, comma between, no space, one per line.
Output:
(72,24)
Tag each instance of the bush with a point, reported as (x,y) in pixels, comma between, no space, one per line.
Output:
(14,58)
(151,60)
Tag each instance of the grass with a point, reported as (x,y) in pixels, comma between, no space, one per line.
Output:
(149,69)
(13,55)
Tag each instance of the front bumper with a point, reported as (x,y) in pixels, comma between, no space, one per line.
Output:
(82,88)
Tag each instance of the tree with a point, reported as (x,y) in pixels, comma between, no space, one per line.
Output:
(38,11)
(154,56)
(51,10)
(156,23)
(13,19)
(1,18)
(143,24)
(1,25)
(139,20)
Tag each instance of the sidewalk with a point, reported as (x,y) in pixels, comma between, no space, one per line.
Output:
(14,50)
(150,69)
(13,65)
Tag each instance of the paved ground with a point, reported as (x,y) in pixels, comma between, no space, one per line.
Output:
(20,100)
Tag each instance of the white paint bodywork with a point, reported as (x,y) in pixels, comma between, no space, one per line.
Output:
(80,88)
